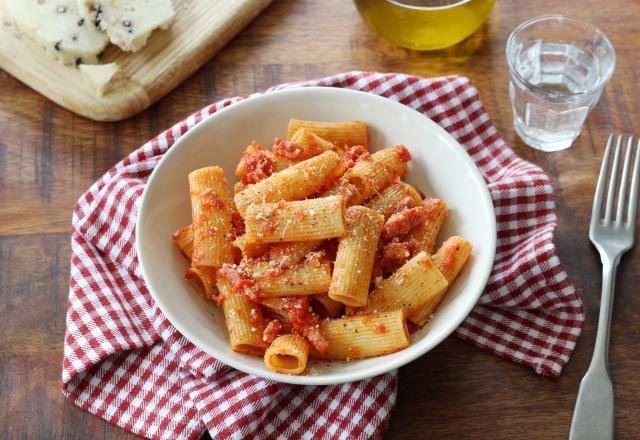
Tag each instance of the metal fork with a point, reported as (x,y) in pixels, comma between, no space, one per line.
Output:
(612,236)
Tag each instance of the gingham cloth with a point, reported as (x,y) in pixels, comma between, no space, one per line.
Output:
(124,361)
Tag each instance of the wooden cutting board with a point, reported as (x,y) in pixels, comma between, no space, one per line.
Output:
(200,29)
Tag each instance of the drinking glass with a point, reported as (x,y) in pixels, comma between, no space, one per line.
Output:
(558,67)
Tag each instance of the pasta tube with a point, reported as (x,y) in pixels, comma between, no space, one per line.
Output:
(416,283)
(294,183)
(347,191)
(450,258)
(426,233)
(354,260)
(204,280)
(362,336)
(386,202)
(243,319)
(303,220)
(287,354)
(259,162)
(183,238)
(385,166)
(326,307)
(249,249)
(303,279)
(338,133)
(311,144)
(211,212)
(289,254)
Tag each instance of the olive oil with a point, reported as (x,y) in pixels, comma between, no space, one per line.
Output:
(425,24)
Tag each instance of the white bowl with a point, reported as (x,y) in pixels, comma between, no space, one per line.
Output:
(440,167)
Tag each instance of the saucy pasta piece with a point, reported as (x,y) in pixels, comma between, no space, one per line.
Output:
(363,336)
(354,260)
(338,133)
(388,200)
(311,144)
(449,259)
(426,233)
(293,183)
(287,354)
(211,213)
(204,280)
(302,220)
(183,238)
(258,162)
(244,320)
(383,168)
(303,279)
(410,287)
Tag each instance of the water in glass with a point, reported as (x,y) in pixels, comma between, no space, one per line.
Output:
(555,81)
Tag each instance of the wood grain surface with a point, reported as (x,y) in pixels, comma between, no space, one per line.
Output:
(49,156)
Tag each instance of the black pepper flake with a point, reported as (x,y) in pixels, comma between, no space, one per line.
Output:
(78,61)
(57,45)
(98,12)
(74,38)
(61,9)
(81,22)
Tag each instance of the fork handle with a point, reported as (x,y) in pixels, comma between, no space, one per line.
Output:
(593,416)
(601,349)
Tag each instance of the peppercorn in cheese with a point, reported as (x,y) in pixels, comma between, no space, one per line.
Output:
(128,23)
(59,28)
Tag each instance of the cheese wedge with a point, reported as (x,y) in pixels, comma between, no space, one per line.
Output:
(58,27)
(103,77)
(128,23)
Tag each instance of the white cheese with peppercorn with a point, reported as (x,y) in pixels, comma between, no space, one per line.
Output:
(103,77)
(128,23)
(58,27)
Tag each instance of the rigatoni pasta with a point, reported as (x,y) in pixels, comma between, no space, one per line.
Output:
(293,183)
(327,307)
(450,259)
(414,284)
(388,200)
(287,354)
(244,320)
(204,280)
(354,260)
(338,133)
(184,239)
(286,255)
(426,233)
(211,212)
(310,144)
(303,279)
(373,175)
(362,336)
(324,252)
(311,219)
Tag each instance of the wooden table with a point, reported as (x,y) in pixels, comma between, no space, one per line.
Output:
(49,156)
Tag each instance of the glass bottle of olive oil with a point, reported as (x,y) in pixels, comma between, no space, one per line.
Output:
(425,24)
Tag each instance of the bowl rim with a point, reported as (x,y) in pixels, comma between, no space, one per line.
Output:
(373,370)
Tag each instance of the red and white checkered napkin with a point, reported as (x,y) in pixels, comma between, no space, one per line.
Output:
(125,362)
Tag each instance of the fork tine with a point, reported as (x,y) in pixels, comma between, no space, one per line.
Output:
(623,183)
(597,198)
(613,181)
(633,196)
